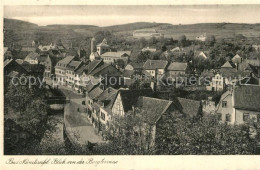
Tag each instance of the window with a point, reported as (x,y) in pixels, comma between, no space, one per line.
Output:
(228,117)
(246,116)
(102,115)
(224,103)
(258,118)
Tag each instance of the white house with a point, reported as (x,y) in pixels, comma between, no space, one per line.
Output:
(240,104)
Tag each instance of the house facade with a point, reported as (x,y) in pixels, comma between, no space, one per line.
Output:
(32,58)
(177,69)
(240,104)
(70,73)
(112,57)
(60,69)
(155,68)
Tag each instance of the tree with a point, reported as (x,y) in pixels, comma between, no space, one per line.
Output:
(210,41)
(205,136)
(163,48)
(182,40)
(152,41)
(142,42)
(143,56)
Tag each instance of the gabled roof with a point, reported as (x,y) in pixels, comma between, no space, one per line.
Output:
(93,94)
(107,98)
(32,56)
(82,68)
(129,97)
(152,108)
(93,65)
(247,97)
(201,54)
(19,61)
(228,64)
(117,54)
(136,65)
(73,65)
(65,61)
(236,59)
(155,64)
(33,68)
(190,107)
(101,70)
(128,73)
(178,66)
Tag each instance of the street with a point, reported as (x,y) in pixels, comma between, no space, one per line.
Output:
(76,121)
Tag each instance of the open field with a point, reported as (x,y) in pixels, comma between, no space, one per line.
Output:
(24,32)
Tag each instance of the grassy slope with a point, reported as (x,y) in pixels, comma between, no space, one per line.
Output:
(28,31)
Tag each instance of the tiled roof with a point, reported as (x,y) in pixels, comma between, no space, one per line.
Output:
(190,107)
(95,92)
(177,66)
(129,97)
(117,54)
(90,87)
(65,61)
(247,97)
(155,64)
(33,68)
(101,70)
(94,64)
(32,56)
(236,59)
(151,109)
(81,69)
(74,65)
(137,65)
(107,97)
(19,61)
(128,73)
(228,64)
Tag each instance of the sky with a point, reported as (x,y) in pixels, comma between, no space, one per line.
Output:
(113,15)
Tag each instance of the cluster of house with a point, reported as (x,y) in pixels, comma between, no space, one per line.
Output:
(103,107)
(105,101)
(238,70)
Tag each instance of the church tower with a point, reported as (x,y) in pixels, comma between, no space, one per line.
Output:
(93,45)
(103,47)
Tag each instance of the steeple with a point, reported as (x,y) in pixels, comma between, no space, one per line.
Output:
(93,45)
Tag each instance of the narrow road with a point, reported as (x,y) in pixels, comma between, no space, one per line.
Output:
(75,118)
